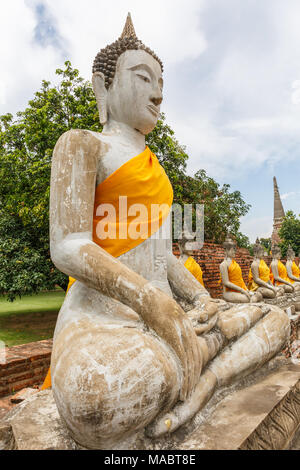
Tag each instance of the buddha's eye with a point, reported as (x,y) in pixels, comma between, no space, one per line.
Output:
(143,77)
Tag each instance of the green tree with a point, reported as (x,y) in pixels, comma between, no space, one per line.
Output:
(290,233)
(26,146)
(222,208)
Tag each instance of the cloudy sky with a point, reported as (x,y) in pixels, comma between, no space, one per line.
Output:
(232,79)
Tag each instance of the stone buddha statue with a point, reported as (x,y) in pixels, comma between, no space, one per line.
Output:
(186,249)
(259,275)
(279,274)
(234,287)
(126,357)
(292,269)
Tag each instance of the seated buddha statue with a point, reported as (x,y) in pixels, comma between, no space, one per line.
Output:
(126,358)
(234,287)
(259,275)
(292,269)
(278,271)
(186,249)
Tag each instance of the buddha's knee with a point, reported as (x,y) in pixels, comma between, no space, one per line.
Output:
(236,297)
(108,391)
(267,293)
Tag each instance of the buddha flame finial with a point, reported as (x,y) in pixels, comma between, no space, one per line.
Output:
(128,31)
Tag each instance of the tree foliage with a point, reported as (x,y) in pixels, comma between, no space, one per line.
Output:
(26,146)
(290,233)
(222,208)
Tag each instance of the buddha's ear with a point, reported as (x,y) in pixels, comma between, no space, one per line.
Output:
(98,81)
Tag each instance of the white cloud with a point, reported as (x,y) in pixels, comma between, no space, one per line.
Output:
(254,227)
(289,195)
(232,71)
(23,62)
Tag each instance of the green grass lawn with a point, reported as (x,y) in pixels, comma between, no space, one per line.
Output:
(31,318)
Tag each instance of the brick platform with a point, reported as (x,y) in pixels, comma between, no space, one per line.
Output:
(25,365)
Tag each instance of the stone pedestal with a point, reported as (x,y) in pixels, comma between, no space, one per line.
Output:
(259,412)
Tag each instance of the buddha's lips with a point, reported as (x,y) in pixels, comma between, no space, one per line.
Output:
(153,109)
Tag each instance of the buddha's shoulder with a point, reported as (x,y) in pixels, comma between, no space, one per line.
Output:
(80,139)
(224,264)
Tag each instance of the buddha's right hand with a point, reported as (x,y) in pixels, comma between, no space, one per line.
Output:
(168,320)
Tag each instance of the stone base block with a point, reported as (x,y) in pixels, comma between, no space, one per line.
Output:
(261,412)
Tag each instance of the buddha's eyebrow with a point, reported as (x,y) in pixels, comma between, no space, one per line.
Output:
(142,67)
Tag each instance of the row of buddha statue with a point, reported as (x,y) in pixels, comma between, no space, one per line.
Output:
(129,361)
(263,282)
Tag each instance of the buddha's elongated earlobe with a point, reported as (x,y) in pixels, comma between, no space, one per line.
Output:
(98,81)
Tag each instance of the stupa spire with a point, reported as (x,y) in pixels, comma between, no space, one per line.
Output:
(278,213)
(278,207)
(128,31)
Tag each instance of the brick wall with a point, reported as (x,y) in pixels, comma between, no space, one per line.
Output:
(211,256)
(25,365)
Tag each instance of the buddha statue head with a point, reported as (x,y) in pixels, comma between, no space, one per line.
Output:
(229,247)
(258,250)
(276,252)
(187,243)
(290,254)
(127,81)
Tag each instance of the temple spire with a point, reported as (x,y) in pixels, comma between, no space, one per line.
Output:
(128,31)
(278,214)
(278,207)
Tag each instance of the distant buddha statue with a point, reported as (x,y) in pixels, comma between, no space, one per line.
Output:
(293,270)
(186,257)
(259,275)
(234,287)
(126,358)
(279,274)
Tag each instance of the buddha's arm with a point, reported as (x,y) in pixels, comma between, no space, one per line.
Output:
(277,277)
(226,281)
(258,280)
(73,179)
(290,272)
(183,282)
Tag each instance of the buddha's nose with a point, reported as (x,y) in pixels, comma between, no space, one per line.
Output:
(156,100)
(157,96)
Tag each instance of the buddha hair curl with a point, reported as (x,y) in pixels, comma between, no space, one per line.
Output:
(106,60)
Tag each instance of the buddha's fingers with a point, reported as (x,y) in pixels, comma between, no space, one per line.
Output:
(188,346)
(193,344)
(183,412)
(181,353)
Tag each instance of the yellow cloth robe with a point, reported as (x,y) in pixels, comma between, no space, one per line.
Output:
(235,276)
(264,274)
(282,273)
(295,272)
(195,269)
(143,181)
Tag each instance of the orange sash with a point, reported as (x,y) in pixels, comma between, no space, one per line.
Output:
(235,276)
(144,182)
(264,274)
(194,269)
(282,272)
